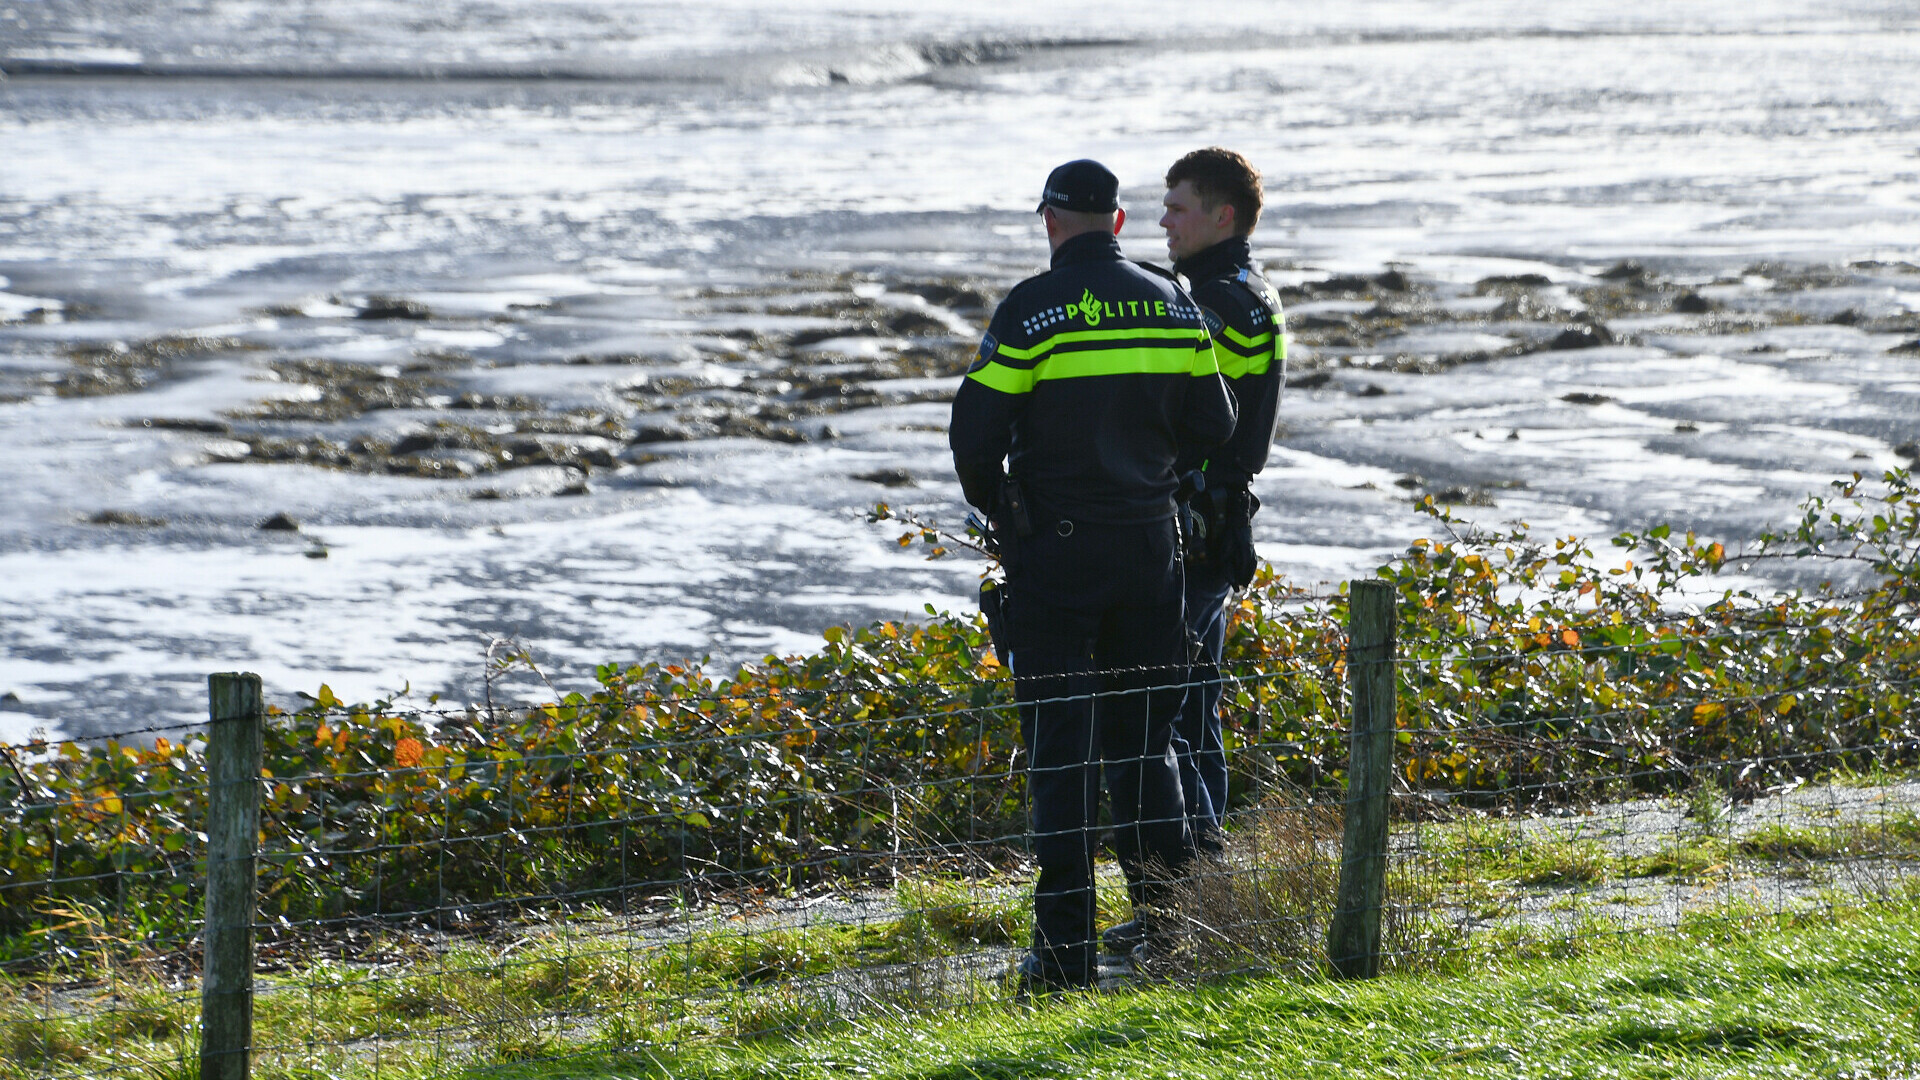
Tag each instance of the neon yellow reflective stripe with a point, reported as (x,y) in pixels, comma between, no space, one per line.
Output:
(1206,362)
(1139,360)
(1007,380)
(1071,336)
(1187,351)
(1235,337)
(1178,359)
(1250,355)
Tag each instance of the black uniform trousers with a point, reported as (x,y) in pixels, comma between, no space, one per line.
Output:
(1099,658)
(1201,747)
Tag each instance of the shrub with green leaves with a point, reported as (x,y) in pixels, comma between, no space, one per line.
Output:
(1531,670)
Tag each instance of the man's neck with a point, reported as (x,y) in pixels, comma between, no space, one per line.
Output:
(1230,254)
(1090,244)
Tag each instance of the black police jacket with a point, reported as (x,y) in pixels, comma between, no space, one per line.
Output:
(1242,312)
(1092,379)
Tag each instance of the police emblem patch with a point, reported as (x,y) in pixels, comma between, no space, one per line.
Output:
(1213,321)
(980,359)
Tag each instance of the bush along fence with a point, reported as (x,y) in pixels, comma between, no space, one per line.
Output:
(1500,744)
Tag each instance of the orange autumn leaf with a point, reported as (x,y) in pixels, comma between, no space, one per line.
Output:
(407,752)
(1570,639)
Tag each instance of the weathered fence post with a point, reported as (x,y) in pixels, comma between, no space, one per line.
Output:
(235,744)
(1353,935)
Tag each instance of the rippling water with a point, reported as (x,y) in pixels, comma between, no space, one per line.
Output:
(743,224)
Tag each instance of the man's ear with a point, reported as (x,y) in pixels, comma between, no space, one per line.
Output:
(1223,218)
(1119,219)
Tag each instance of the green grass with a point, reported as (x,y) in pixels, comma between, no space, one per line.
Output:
(1826,996)
(726,1001)
(1894,835)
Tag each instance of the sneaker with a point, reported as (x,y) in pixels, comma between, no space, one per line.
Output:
(1124,939)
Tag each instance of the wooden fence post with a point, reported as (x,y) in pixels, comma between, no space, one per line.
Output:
(235,745)
(1353,935)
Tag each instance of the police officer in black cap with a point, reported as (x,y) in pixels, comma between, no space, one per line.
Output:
(1092,379)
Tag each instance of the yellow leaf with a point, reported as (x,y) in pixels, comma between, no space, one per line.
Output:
(1786,705)
(1708,711)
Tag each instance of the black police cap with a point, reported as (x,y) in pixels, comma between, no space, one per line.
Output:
(1084,186)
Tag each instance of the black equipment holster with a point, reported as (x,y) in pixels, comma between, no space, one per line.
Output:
(993,600)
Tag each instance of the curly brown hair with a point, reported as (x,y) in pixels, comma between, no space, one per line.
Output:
(1220,175)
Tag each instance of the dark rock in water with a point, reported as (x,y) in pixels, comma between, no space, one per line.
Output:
(415,443)
(486,495)
(1908,450)
(1499,281)
(1393,281)
(10,700)
(1907,348)
(887,477)
(653,433)
(393,307)
(203,427)
(1320,322)
(828,433)
(126,518)
(1459,496)
(315,553)
(916,322)
(281,522)
(1692,303)
(1344,283)
(946,294)
(576,485)
(1582,398)
(815,337)
(1582,337)
(1371,390)
(1845,318)
(1624,270)
(834,390)
(1313,380)
(1687,427)
(503,402)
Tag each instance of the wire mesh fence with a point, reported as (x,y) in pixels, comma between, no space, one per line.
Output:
(675,859)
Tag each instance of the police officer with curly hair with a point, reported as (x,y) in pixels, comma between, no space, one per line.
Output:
(1095,385)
